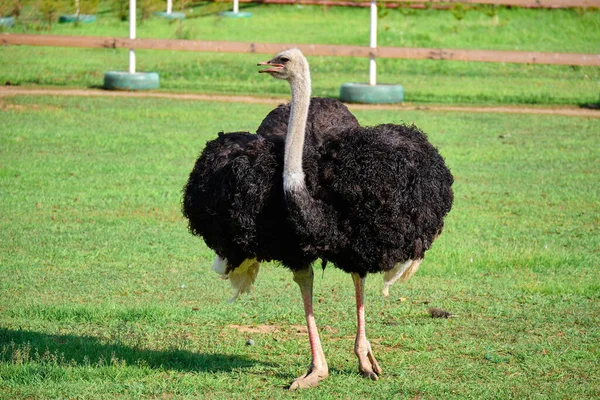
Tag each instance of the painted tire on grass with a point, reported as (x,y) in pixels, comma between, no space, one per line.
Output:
(7,21)
(378,94)
(231,14)
(121,80)
(63,19)
(173,15)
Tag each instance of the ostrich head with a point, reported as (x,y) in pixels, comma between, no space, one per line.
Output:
(290,65)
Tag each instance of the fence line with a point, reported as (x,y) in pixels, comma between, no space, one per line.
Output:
(441,3)
(520,57)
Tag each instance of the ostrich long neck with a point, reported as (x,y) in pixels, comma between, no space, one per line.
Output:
(293,175)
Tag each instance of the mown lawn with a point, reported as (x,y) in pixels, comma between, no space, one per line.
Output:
(106,295)
(425,81)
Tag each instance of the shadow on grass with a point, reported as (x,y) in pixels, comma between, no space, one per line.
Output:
(27,346)
(590,106)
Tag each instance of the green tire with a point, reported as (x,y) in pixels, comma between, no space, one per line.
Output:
(7,21)
(377,94)
(173,15)
(63,19)
(231,14)
(121,80)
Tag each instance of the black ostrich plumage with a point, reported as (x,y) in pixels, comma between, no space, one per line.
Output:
(327,118)
(375,196)
(234,196)
(233,199)
(382,192)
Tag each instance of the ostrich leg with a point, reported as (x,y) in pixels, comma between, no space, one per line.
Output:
(367,364)
(318,367)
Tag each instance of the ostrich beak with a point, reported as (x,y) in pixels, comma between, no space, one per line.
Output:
(274,67)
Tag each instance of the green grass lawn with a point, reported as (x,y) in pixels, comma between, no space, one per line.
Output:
(425,81)
(106,295)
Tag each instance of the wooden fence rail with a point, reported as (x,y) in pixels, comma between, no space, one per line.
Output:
(521,57)
(442,3)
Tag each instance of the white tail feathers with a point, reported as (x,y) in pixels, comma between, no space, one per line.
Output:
(220,267)
(241,279)
(402,271)
(414,266)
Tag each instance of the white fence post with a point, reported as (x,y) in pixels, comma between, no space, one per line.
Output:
(373,44)
(131,35)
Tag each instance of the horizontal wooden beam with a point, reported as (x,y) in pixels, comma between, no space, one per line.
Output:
(444,3)
(518,3)
(520,57)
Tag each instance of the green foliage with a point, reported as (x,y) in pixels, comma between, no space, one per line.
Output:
(121,9)
(491,10)
(459,11)
(407,11)
(10,8)
(147,7)
(182,5)
(27,16)
(106,295)
(51,9)
(183,31)
(382,11)
(89,7)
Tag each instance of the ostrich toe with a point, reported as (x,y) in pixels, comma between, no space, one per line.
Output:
(367,364)
(310,379)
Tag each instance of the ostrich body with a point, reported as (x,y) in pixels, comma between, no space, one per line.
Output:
(370,200)
(234,196)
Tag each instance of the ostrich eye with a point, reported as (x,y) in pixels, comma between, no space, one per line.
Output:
(284,59)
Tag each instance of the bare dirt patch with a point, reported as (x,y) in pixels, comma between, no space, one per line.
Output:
(6,106)
(263,329)
(268,329)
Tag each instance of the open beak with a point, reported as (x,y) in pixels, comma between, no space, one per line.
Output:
(274,67)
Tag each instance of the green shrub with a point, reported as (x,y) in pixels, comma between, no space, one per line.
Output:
(51,9)
(147,7)
(86,6)
(10,8)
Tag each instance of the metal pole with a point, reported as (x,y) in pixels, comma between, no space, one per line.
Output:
(373,44)
(169,6)
(236,6)
(131,35)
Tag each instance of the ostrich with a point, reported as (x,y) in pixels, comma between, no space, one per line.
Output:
(370,200)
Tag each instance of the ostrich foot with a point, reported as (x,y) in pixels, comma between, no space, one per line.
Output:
(367,364)
(310,379)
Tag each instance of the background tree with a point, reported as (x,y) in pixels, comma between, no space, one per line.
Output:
(147,7)
(51,9)
(85,6)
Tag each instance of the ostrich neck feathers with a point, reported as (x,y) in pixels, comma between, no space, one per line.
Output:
(293,175)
